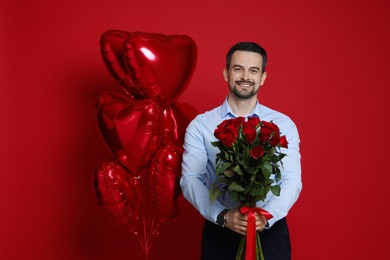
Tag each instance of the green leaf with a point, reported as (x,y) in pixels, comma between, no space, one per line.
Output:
(261,193)
(254,191)
(278,175)
(275,190)
(222,167)
(236,187)
(215,143)
(268,166)
(271,152)
(214,193)
(269,181)
(267,171)
(222,179)
(237,169)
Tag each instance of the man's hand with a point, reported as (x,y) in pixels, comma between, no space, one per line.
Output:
(238,222)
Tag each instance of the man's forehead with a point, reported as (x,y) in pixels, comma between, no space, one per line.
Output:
(251,54)
(246,59)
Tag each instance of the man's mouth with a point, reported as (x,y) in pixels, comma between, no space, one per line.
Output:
(244,83)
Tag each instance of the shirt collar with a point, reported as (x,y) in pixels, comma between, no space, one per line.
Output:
(227,112)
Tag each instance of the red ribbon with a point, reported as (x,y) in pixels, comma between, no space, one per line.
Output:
(250,251)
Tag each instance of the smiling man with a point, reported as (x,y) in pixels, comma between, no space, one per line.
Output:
(244,74)
(224,225)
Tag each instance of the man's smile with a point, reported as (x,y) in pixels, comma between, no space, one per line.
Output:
(244,83)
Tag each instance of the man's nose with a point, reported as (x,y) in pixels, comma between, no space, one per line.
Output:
(245,75)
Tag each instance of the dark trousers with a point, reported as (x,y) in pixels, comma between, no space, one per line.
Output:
(220,243)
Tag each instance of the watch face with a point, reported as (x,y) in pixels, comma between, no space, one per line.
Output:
(220,220)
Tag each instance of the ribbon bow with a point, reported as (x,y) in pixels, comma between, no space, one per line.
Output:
(250,250)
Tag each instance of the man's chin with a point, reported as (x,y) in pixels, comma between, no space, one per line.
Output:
(243,95)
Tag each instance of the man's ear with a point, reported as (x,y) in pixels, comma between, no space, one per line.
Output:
(225,74)
(263,77)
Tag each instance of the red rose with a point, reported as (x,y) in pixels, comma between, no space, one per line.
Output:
(227,132)
(249,128)
(250,134)
(222,125)
(238,121)
(275,139)
(256,152)
(254,121)
(269,131)
(269,126)
(265,133)
(283,142)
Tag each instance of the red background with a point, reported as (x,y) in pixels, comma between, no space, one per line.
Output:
(328,70)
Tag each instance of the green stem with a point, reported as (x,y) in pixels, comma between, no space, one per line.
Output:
(240,251)
(259,250)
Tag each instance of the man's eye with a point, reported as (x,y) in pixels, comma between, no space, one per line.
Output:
(254,71)
(237,69)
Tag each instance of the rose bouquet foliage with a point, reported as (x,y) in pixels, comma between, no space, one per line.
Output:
(248,164)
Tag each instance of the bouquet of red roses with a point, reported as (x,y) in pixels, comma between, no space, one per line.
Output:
(248,166)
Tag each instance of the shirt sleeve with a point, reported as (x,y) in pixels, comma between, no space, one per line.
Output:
(194,181)
(291,184)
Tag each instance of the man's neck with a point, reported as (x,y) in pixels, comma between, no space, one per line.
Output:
(242,107)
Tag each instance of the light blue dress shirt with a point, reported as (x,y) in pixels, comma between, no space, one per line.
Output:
(198,167)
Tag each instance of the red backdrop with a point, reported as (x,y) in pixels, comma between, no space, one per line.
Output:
(328,71)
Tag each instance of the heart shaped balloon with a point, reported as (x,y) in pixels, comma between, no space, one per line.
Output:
(159,65)
(144,129)
(132,128)
(176,118)
(149,65)
(112,49)
(118,194)
(165,186)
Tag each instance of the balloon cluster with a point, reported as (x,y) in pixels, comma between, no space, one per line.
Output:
(144,128)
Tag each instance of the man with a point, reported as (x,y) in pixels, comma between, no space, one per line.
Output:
(224,225)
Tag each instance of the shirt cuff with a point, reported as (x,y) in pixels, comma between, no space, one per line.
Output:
(214,212)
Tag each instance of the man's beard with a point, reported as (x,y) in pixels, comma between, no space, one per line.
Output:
(243,94)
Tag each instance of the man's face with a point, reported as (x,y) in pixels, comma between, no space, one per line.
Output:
(244,76)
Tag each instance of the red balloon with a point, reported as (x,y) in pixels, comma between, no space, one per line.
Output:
(165,186)
(149,65)
(132,128)
(176,118)
(160,66)
(112,47)
(144,128)
(118,194)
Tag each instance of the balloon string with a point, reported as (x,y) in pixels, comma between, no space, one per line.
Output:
(145,239)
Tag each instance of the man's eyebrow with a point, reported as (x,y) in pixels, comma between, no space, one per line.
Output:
(240,66)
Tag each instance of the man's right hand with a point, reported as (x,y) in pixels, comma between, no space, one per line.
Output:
(238,222)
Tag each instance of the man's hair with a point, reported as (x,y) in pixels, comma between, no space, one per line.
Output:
(247,46)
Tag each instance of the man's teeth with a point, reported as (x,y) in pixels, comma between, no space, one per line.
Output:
(245,84)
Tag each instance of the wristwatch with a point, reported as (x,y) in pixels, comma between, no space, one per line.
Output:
(221,218)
